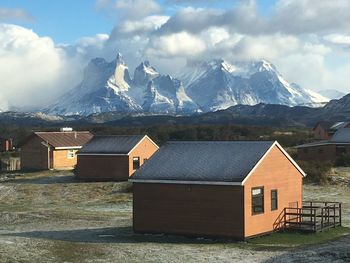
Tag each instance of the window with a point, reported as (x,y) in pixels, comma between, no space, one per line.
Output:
(136,163)
(274,200)
(257,200)
(70,154)
(320,150)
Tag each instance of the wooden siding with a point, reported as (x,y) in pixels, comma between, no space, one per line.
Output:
(145,149)
(188,209)
(34,155)
(274,172)
(102,168)
(61,160)
(320,153)
(320,133)
(116,168)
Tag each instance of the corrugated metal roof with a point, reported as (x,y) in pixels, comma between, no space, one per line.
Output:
(65,139)
(207,161)
(111,144)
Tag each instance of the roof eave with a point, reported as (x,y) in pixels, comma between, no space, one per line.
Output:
(103,154)
(184,182)
(266,153)
(137,144)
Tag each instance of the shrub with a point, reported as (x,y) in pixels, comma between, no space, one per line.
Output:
(317,172)
(343,160)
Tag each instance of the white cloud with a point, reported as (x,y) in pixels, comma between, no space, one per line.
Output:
(131,9)
(175,45)
(139,27)
(32,69)
(14,14)
(338,39)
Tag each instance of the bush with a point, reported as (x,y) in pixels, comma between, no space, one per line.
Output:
(317,172)
(343,160)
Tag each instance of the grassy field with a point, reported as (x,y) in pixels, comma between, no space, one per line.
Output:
(51,217)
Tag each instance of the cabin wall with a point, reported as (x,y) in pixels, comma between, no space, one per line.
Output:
(209,210)
(320,133)
(145,149)
(61,160)
(34,155)
(103,168)
(322,153)
(274,172)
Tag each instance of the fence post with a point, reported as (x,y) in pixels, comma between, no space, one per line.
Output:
(340,214)
(315,226)
(321,218)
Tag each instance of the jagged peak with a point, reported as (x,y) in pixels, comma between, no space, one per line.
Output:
(264,65)
(119,59)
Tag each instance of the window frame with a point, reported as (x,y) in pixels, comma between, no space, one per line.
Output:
(70,154)
(262,200)
(273,208)
(134,165)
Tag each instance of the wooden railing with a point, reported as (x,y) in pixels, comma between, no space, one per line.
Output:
(313,216)
(10,164)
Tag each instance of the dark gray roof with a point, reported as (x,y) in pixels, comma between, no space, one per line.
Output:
(111,144)
(341,135)
(205,161)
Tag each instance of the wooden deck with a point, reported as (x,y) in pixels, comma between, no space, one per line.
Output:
(314,216)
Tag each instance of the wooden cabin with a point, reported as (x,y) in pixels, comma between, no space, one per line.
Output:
(5,145)
(324,130)
(326,150)
(52,150)
(235,189)
(114,157)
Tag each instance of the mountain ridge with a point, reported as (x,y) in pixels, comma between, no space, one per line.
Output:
(204,86)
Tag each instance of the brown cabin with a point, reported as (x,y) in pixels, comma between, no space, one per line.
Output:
(5,145)
(114,157)
(235,189)
(324,130)
(52,150)
(326,150)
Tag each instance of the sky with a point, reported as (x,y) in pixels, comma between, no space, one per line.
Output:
(45,45)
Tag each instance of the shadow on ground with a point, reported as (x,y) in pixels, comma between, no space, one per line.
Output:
(53,179)
(114,235)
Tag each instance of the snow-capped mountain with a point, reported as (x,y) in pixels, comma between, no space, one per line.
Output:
(218,85)
(107,86)
(200,87)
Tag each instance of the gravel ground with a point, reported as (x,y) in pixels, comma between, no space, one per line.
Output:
(53,218)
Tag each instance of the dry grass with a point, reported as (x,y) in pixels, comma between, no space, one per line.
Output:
(51,217)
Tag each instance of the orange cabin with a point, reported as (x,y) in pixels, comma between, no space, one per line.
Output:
(236,189)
